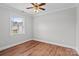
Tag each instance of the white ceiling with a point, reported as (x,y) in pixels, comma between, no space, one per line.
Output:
(50,7)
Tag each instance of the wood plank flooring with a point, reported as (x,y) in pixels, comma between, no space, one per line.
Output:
(36,48)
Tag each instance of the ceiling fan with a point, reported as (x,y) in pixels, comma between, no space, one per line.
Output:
(37,6)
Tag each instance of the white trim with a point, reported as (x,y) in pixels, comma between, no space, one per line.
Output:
(77,50)
(56,10)
(55,43)
(9,46)
(3,48)
(58,44)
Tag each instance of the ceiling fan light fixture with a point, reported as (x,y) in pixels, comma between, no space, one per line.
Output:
(36,11)
(37,7)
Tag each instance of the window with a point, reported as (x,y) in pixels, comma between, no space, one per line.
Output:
(17,25)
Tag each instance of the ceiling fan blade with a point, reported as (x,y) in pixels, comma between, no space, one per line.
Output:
(34,4)
(42,8)
(29,7)
(42,4)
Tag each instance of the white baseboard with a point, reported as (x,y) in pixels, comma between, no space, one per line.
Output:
(55,43)
(3,48)
(77,50)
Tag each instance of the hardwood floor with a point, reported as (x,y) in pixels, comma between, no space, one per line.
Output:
(36,48)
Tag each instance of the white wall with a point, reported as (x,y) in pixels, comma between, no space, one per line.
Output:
(6,40)
(57,27)
(77,28)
